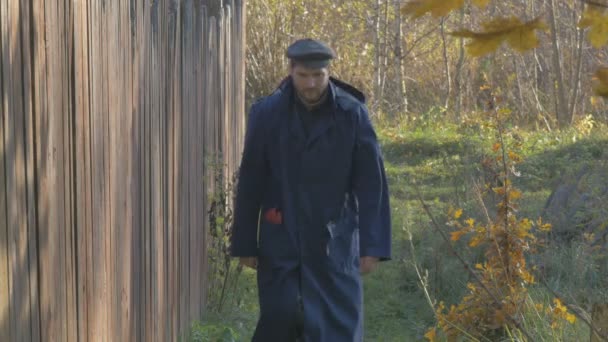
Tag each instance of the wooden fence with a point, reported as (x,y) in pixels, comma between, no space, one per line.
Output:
(109,112)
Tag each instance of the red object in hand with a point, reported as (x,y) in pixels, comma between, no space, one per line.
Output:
(274,216)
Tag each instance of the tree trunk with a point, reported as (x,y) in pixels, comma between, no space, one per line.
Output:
(459,66)
(402,105)
(561,110)
(520,94)
(377,49)
(576,79)
(384,68)
(446,65)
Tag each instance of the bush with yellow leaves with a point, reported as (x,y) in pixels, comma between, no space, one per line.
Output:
(497,295)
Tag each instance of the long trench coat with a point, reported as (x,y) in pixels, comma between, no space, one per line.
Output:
(308,206)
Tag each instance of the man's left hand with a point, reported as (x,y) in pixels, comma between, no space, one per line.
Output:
(367,264)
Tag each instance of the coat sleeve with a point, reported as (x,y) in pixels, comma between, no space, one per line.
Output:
(249,190)
(371,190)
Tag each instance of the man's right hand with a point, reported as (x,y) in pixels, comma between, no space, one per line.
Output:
(251,262)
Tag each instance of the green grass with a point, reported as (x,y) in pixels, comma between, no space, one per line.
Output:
(443,163)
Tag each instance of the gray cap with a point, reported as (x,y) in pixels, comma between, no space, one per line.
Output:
(311,53)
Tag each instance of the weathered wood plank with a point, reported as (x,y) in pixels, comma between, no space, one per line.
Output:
(218,72)
(227,116)
(98,322)
(197,170)
(95,328)
(239,48)
(5,312)
(52,220)
(16,188)
(30,166)
(174,186)
(199,162)
(189,160)
(161,181)
(159,298)
(182,174)
(109,178)
(126,134)
(146,308)
(65,19)
(107,60)
(115,167)
(209,105)
(140,19)
(83,164)
(42,138)
(201,108)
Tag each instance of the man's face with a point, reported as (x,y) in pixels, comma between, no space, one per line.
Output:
(310,83)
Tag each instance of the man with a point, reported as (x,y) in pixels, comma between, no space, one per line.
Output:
(312,206)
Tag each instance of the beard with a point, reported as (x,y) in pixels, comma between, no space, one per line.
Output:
(312,97)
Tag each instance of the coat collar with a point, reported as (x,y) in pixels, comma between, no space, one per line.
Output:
(341,96)
(325,122)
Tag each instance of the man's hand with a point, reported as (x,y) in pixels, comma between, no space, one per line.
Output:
(251,262)
(367,264)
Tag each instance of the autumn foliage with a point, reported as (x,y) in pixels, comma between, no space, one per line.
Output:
(498,294)
(520,35)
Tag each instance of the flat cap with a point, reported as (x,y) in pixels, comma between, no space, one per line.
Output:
(310,52)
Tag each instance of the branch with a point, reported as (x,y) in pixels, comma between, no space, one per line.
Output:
(412,45)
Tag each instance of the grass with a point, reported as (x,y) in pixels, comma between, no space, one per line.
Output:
(443,163)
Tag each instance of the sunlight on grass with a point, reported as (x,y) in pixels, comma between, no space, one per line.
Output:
(444,163)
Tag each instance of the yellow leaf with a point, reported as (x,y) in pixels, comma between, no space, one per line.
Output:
(479,46)
(601,77)
(545,227)
(457,214)
(437,8)
(479,266)
(480,3)
(431,335)
(596,19)
(519,35)
(470,222)
(527,277)
(559,306)
(523,38)
(522,233)
(570,318)
(499,190)
(455,236)
(514,194)
(495,147)
(476,240)
(514,156)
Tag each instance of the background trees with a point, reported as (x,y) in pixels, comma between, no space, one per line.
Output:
(415,68)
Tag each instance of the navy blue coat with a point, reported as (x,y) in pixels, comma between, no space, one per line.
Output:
(330,188)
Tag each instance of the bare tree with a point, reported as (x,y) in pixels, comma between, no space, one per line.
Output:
(561,102)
